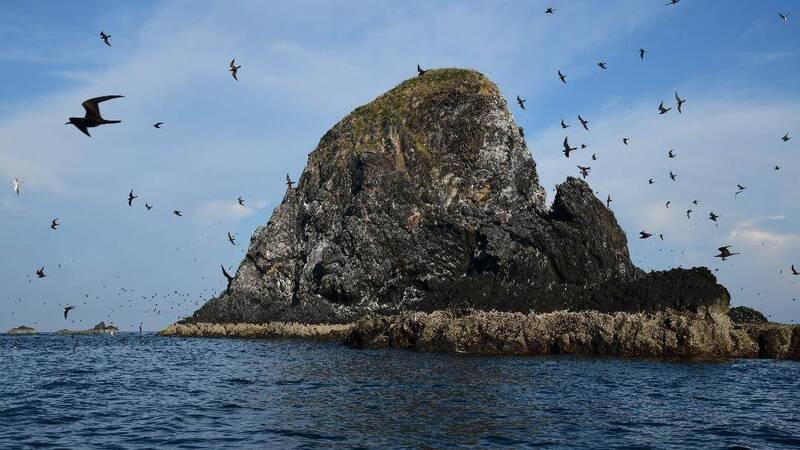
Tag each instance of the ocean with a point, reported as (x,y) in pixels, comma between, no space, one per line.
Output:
(132,391)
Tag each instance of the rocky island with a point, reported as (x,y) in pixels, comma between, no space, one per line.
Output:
(22,329)
(100,328)
(419,222)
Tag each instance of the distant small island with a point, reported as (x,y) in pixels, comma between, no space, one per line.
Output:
(22,329)
(100,328)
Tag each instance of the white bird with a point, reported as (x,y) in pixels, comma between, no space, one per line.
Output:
(17,185)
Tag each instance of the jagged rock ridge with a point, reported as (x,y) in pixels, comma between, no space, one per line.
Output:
(428,198)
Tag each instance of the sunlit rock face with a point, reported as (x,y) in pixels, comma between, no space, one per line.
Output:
(427,198)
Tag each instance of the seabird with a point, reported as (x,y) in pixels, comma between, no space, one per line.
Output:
(92,118)
(662,110)
(650,181)
(131,197)
(672,175)
(420,71)
(740,189)
(713,217)
(567,148)
(54,224)
(602,65)
(158,124)
(688,213)
(228,277)
(146,205)
(777,167)
(784,17)
(641,53)
(671,154)
(105,37)
(786,137)
(521,102)
(234,69)
(67,310)
(17,185)
(644,235)
(289,181)
(583,122)
(668,203)
(680,101)
(594,157)
(695,202)
(625,141)
(608,200)
(794,271)
(563,125)
(673,2)
(584,171)
(240,201)
(178,213)
(724,253)
(231,239)
(40,273)
(562,77)
(549,10)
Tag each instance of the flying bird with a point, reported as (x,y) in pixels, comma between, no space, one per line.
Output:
(794,271)
(583,122)
(549,10)
(594,157)
(625,140)
(740,189)
(567,148)
(602,65)
(231,239)
(786,137)
(240,201)
(724,253)
(92,118)
(784,17)
(234,69)
(67,310)
(672,175)
(105,37)
(713,217)
(584,171)
(695,202)
(228,277)
(54,224)
(146,205)
(641,53)
(289,181)
(668,203)
(562,77)
(644,235)
(40,273)
(521,102)
(689,214)
(158,124)
(17,185)
(662,109)
(564,125)
(777,167)
(608,200)
(673,2)
(680,101)
(650,181)
(671,154)
(420,71)
(131,197)
(178,213)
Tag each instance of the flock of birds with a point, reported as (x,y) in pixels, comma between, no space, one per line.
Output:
(93,118)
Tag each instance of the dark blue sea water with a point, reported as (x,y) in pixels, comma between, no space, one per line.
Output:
(133,391)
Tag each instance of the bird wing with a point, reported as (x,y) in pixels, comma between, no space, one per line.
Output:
(233,62)
(92,106)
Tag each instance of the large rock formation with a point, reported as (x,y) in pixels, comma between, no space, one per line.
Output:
(428,198)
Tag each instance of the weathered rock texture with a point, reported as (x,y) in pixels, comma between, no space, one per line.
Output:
(744,314)
(427,198)
(703,333)
(332,332)
(22,329)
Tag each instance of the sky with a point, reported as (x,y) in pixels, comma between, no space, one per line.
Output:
(306,64)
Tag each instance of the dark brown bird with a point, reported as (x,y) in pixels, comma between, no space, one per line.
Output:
(240,201)
(158,124)
(549,10)
(680,101)
(786,137)
(231,239)
(289,181)
(672,175)
(92,118)
(228,277)
(105,37)
(146,205)
(584,171)
(671,154)
(583,122)
(689,213)
(644,235)
(608,200)
(567,148)
(602,65)
(662,109)
(794,271)
(521,102)
(178,213)
(421,72)
(740,189)
(54,224)
(562,77)
(131,197)
(67,310)
(40,273)
(234,69)
(713,217)
(625,141)
(724,253)
(641,53)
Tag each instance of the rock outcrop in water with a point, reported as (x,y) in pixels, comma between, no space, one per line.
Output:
(427,198)
(100,328)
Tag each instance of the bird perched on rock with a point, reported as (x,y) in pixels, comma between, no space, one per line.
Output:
(234,69)
(54,224)
(131,196)
(602,65)
(158,125)
(740,189)
(92,118)
(521,102)
(562,77)
(662,109)
(786,137)
(641,53)
(67,310)
(680,101)
(40,273)
(724,253)
(713,217)
(583,122)
(671,154)
(105,37)
(178,213)
(240,201)
(228,277)
(567,148)
(420,71)
(584,171)
(644,235)
(564,125)
(17,183)
(231,239)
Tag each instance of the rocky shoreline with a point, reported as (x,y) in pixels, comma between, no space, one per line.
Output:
(703,334)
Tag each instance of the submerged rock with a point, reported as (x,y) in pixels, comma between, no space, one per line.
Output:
(427,198)
(22,329)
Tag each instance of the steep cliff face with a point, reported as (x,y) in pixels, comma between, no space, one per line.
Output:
(427,197)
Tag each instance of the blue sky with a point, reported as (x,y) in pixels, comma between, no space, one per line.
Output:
(307,64)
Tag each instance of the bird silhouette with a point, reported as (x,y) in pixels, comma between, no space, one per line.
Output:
(668,203)
(724,253)
(671,154)
(689,213)
(178,213)
(146,205)
(158,124)
(131,197)
(54,224)
(662,109)
(644,235)
(231,239)
(92,118)
(420,71)
(584,171)
(625,141)
(594,157)
(672,175)
(228,277)
(549,10)
(584,122)
(40,273)
(17,185)
(521,102)
(562,77)
(673,2)
(67,310)
(713,217)
(794,271)
(602,65)
(234,69)
(105,37)
(608,200)
(784,17)
(567,148)
(740,189)
(680,101)
(786,137)
(650,181)
(289,181)
(641,53)
(240,201)
(564,125)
